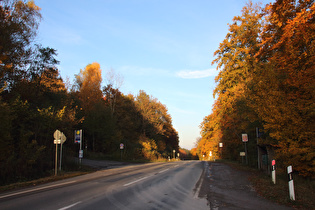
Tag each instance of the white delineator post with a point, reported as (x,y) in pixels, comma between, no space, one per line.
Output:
(273,172)
(291,184)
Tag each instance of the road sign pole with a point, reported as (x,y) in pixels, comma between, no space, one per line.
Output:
(258,149)
(80,158)
(56,161)
(245,139)
(246,159)
(121,146)
(60,157)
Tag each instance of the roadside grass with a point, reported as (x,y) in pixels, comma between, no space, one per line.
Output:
(279,192)
(51,178)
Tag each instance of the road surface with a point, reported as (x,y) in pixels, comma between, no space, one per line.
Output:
(148,186)
(173,185)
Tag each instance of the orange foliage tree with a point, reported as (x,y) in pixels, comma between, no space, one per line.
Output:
(231,116)
(266,79)
(283,82)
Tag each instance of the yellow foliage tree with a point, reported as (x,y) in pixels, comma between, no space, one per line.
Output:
(89,83)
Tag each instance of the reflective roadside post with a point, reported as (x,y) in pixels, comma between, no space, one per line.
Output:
(291,184)
(273,171)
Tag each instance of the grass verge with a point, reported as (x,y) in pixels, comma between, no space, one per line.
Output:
(279,192)
(61,175)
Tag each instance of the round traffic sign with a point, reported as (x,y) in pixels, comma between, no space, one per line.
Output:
(57,134)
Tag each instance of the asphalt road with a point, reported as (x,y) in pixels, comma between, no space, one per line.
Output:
(148,186)
(174,185)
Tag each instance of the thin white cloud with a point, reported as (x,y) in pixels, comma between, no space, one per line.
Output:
(197,74)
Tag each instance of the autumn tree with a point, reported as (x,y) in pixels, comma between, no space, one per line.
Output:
(284,82)
(34,101)
(19,21)
(88,82)
(266,80)
(111,90)
(128,124)
(157,123)
(235,59)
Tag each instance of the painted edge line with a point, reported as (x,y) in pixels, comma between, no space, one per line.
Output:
(70,206)
(163,170)
(138,180)
(35,189)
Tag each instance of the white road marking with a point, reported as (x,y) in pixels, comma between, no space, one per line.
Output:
(138,180)
(163,170)
(176,166)
(35,189)
(68,207)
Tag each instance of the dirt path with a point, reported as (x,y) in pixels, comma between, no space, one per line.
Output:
(228,188)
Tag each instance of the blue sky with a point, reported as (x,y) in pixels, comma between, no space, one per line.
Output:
(164,47)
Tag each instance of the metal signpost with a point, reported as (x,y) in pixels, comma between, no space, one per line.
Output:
(78,140)
(242,154)
(245,139)
(57,135)
(59,138)
(63,139)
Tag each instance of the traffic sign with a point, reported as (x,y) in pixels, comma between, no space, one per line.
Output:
(121,146)
(63,138)
(57,141)
(77,136)
(80,153)
(57,134)
(244,137)
(242,154)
